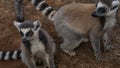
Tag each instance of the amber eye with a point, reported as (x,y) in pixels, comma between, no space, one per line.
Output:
(114,7)
(30,33)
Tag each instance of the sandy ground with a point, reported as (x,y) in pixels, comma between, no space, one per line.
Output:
(10,38)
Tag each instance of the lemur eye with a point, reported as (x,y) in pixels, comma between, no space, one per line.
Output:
(30,33)
(21,33)
(102,10)
(114,7)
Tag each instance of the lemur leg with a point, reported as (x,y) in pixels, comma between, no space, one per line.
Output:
(95,41)
(53,48)
(68,46)
(39,63)
(29,62)
(107,41)
(50,61)
(50,58)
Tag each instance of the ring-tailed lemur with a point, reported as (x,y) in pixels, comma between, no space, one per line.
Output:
(14,55)
(106,10)
(37,46)
(74,22)
(39,49)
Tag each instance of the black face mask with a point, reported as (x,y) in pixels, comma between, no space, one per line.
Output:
(102,10)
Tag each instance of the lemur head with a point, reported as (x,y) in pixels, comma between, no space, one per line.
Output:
(106,8)
(27,30)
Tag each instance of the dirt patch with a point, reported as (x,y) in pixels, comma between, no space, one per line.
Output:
(10,39)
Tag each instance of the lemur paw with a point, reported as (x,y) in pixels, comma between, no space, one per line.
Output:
(98,56)
(71,53)
(108,48)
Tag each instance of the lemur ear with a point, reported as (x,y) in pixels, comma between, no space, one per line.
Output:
(16,24)
(37,24)
(115,2)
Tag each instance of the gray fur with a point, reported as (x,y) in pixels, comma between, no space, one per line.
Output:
(63,19)
(37,53)
(74,24)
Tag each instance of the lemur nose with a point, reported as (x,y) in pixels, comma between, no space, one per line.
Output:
(94,14)
(24,40)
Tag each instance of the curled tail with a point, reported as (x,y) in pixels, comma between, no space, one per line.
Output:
(46,10)
(14,55)
(19,10)
(10,55)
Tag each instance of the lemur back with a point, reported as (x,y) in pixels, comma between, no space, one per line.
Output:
(75,21)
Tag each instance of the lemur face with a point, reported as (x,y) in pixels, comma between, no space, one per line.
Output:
(27,30)
(106,9)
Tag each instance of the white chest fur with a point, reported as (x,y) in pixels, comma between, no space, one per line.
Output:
(110,22)
(37,46)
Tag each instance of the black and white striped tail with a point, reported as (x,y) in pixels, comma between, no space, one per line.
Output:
(46,10)
(19,10)
(10,55)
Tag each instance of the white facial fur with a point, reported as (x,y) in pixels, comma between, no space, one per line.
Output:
(24,31)
(114,3)
(35,29)
(100,4)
